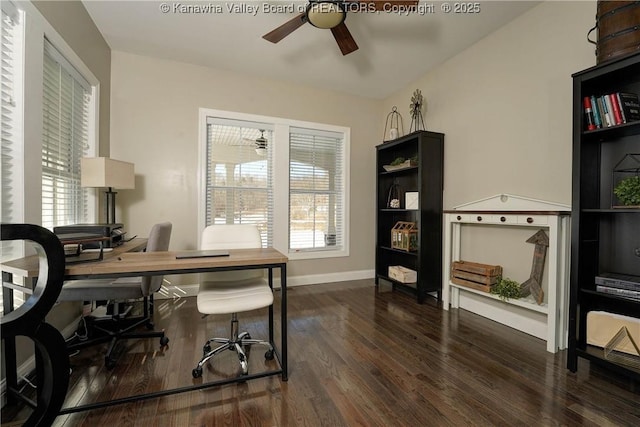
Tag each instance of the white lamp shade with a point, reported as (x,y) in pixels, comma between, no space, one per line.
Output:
(106,172)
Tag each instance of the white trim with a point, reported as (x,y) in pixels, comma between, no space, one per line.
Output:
(280,161)
(317,279)
(511,202)
(191,290)
(281,129)
(57,41)
(36,29)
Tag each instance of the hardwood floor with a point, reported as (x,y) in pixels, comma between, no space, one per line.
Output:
(357,357)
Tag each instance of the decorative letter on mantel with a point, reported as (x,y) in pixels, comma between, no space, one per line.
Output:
(547,321)
(533,285)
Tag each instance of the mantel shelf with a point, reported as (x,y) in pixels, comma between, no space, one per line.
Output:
(527,302)
(549,320)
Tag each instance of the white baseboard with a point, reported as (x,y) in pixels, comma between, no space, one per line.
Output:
(191,290)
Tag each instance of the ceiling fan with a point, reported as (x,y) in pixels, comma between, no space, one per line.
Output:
(260,144)
(331,14)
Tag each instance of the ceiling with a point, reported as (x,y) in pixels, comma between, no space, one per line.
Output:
(394,49)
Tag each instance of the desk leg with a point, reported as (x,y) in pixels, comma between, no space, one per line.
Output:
(10,362)
(271,307)
(283,320)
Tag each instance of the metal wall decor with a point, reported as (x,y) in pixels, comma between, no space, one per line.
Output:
(393,199)
(395,125)
(415,108)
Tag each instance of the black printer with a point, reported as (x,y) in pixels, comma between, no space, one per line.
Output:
(115,232)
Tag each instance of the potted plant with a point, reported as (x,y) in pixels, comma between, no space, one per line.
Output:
(628,191)
(506,288)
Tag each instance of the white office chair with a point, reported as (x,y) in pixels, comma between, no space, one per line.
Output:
(117,328)
(230,292)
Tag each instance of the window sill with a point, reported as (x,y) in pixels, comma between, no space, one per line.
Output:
(299,255)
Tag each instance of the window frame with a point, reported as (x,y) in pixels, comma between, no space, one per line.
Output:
(37,28)
(280,166)
(28,93)
(13,193)
(65,140)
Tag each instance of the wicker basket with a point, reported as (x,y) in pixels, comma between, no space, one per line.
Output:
(404,236)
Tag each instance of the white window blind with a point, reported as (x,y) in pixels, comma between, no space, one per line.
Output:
(316,188)
(66,100)
(10,155)
(239,187)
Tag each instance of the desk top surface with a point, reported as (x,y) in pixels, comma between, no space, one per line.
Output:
(128,260)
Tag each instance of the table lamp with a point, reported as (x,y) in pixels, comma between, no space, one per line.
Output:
(101,172)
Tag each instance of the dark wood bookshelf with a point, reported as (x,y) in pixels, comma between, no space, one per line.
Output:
(426,178)
(603,238)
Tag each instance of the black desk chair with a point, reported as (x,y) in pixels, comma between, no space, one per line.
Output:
(118,326)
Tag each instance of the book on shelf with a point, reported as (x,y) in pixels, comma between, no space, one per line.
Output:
(611,109)
(617,115)
(597,119)
(604,112)
(588,113)
(619,281)
(630,106)
(622,114)
(607,101)
(624,293)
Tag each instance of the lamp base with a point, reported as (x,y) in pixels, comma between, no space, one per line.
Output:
(110,206)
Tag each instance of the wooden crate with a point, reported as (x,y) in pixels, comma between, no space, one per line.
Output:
(475,275)
(402,274)
(404,236)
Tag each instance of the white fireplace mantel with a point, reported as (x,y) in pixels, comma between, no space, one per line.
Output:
(546,321)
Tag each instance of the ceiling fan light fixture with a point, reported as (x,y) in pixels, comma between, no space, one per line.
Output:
(261,144)
(325,14)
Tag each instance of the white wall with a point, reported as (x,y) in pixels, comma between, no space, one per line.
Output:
(505,106)
(154,124)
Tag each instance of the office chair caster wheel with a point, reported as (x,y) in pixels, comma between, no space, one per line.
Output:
(150,326)
(269,355)
(164,341)
(206,349)
(197,372)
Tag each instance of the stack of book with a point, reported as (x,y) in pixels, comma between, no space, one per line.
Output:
(622,285)
(611,110)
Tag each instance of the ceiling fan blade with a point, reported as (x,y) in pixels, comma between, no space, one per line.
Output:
(285,29)
(345,40)
(381,5)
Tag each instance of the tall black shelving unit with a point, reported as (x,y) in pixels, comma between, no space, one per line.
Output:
(425,178)
(604,238)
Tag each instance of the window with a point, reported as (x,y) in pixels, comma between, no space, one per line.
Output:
(315,187)
(65,140)
(44,131)
(293,185)
(238,183)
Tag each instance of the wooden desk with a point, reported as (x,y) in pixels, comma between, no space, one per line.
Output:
(28,267)
(123,262)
